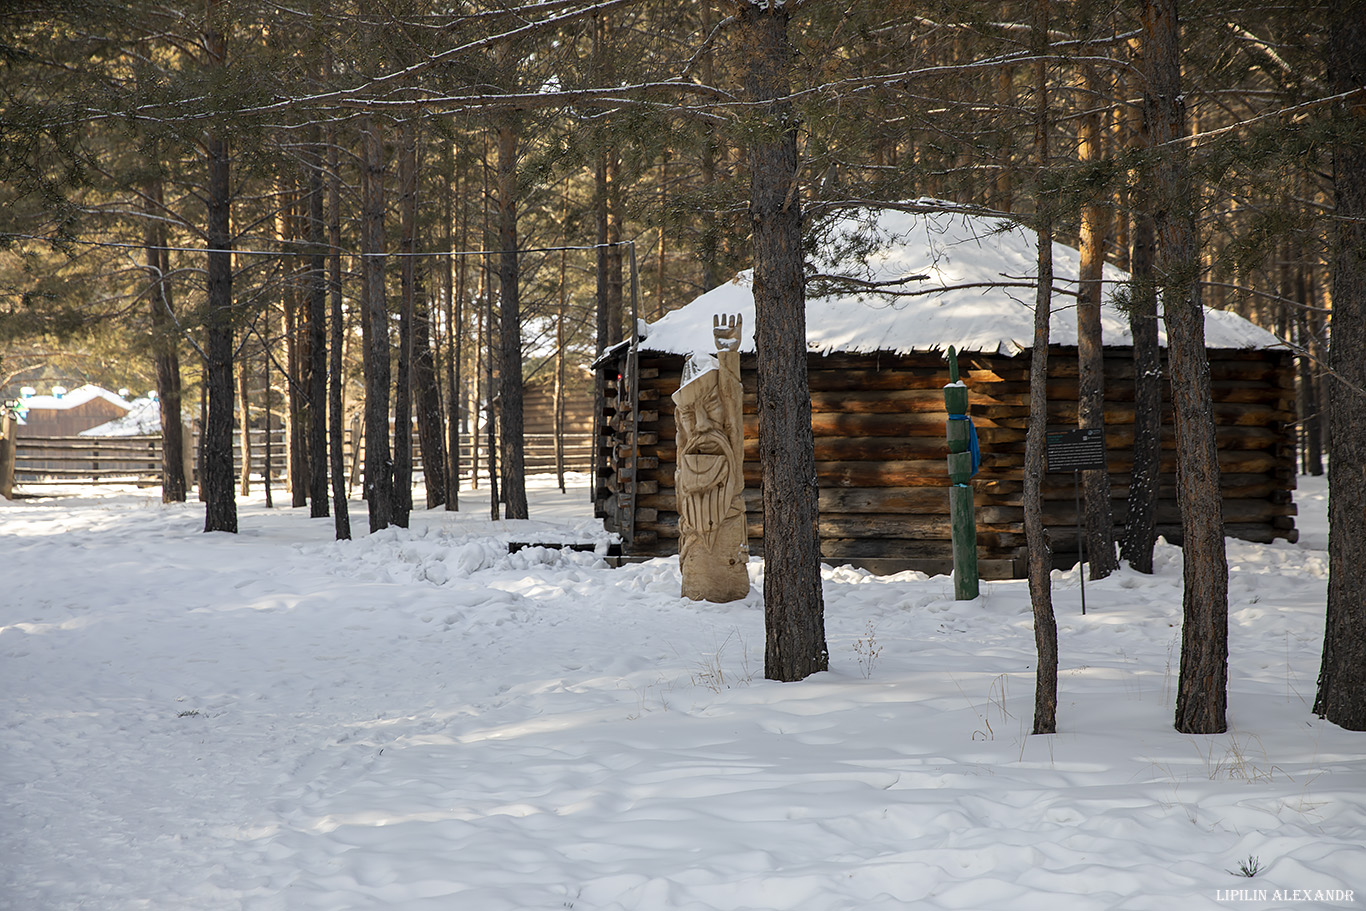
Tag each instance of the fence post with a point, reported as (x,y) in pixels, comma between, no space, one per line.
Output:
(187,451)
(8,430)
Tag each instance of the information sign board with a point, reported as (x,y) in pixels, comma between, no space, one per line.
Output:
(1076,450)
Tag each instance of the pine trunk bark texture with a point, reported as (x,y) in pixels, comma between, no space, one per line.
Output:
(1341,694)
(341,512)
(379,467)
(403,380)
(1201,700)
(794,608)
(1095,221)
(1040,558)
(317,335)
(427,397)
(244,446)
(425,387)
(510,329)
(1145,481)
(296,359)
(1311,418)
(216,481)
(454,307)
(165,356)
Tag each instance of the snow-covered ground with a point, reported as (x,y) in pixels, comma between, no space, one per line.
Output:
(417,720)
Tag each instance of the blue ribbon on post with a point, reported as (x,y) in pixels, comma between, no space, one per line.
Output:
(972,442)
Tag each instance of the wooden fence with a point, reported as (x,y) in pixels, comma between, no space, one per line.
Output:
(86,460)
(137,459)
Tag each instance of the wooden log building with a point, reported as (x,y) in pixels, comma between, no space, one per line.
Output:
(70,413)
(877,371)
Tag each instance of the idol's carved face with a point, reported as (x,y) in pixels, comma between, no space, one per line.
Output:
(708,474)
(702,425)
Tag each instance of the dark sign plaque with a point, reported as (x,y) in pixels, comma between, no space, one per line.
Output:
(1076,450)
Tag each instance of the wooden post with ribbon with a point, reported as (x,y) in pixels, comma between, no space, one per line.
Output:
(963,462)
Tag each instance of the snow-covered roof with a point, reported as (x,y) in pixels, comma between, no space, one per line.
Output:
(980,273)
(142,419)
(74,398)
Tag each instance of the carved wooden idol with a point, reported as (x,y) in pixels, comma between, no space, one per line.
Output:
(710,477)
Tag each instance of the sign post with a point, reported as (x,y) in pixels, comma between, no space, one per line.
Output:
(1077,451)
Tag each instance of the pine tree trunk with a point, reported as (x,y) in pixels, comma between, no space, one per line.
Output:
(200,440)
(244,423)
(616,280)
(1040,557)
(220,507)
(1201,700)
(661,272)
(510,328)
(379,467)
(608,260)
(1140,529)
(455,301)
(165,356)
(317,335)
(559,356)
(483,376)
(341,512)
(428,398)
(403,379)
(1309,404)
(1341,696)
(1095,220)
(426,393)
(710,247)
(269,460)
(1145,481)
(295,361)
(794,609)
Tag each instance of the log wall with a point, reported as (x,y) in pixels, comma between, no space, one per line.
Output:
(879,427)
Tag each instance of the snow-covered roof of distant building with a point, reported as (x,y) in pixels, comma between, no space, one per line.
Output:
(76,397)
(142,419)
(976,294)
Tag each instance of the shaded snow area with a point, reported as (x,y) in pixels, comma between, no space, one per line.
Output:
(418,720)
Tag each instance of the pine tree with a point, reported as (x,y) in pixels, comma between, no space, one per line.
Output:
(1202,691)
(794,607)
(1341,696)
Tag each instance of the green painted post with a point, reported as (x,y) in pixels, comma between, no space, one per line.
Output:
(962,519)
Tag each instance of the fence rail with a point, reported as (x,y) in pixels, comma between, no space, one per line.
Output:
(137,459)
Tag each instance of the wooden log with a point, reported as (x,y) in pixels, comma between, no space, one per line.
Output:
(860,449)
(902,507)
(903,548)
(887,401)
(1245,486)
(869,530)
(1119,441)
(877,425)
(883,499)
(1016,415)
(900,473)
